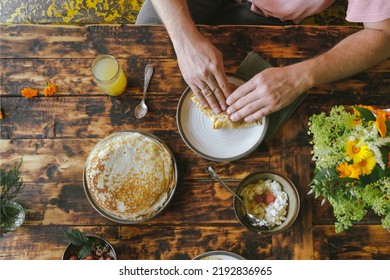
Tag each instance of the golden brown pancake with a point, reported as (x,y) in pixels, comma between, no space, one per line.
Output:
(222,120)
(130,175)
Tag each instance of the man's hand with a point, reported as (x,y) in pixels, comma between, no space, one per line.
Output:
(267,92)
(275,88)
(201,65)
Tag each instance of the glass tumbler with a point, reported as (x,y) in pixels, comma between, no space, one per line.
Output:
(109,75)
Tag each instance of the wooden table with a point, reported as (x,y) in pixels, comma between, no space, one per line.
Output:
(54,136)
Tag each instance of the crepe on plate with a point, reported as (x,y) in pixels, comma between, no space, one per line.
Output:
(130,175)
(222,120)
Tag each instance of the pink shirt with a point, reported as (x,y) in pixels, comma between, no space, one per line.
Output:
(297,10)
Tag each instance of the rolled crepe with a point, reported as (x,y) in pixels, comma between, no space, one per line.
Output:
(222,120)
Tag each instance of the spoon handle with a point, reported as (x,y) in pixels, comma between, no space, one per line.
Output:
(148,76)
(212,172)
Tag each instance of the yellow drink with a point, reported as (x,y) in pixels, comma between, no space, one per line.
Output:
(109,75)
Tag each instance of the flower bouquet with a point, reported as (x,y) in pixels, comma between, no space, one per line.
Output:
(351,151)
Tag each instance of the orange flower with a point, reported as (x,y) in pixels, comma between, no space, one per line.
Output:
(50,89)
(1,114)
(380,122)
(29,92)
(348,171)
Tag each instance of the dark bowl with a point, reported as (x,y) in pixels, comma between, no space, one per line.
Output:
(73,250)
(287,186)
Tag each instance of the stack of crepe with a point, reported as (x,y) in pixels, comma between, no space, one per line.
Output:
(130,175)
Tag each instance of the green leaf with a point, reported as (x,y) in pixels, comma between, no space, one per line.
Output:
(387,127)
(11,182)
(366,114)
(8,214)
(85,251)
(76,237)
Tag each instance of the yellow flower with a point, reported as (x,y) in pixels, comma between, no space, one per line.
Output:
(348,171)
(357,152)
(50,89)
(29,92)
(366,165)
(380,122)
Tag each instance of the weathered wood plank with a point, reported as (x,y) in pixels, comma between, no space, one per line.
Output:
(84,117)
(362,242)
(45,242)
(140,242)
(162,242)
(186,243)
(67,204)
(74,77)
(98,116)
(289,155)
(153,41)
(40,164)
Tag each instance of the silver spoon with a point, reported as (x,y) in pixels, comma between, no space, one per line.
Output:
(253,219)
(141,109)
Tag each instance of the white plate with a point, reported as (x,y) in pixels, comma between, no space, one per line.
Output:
(219,255)
(222,145)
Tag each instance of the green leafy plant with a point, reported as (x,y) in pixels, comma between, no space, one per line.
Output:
(352,155)
(88,247)
(11,184)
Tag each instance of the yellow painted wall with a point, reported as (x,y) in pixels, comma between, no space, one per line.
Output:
(69,11)
(112,11)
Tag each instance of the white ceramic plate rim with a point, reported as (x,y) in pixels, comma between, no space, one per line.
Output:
(221,145)
(224,255)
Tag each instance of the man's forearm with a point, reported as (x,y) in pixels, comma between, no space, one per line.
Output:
(176,17)
(352,55)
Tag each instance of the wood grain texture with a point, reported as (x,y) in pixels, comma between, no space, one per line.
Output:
(54,136)
(122,40)
(368,242)
(41,164)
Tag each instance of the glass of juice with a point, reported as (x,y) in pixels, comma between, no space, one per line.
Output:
(109,75)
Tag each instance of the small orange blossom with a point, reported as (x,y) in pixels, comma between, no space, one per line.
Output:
(380,122)
(29,92)
(50,89)
(348,171)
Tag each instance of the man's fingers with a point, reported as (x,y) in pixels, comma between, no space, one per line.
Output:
(209,96)
(197,91)
(240,92)
(248,109)
(223,84)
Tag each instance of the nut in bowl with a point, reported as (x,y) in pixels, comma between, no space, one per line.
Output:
(270,196)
